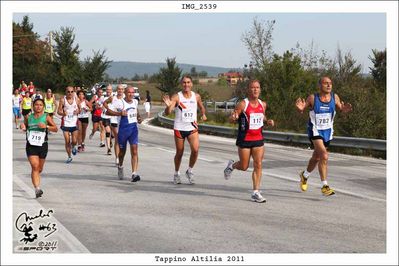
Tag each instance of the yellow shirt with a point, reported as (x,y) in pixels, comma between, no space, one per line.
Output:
(49,105)
(27,103)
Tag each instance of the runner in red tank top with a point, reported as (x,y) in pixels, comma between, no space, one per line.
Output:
(250,114)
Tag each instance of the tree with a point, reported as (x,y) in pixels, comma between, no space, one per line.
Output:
(136,77)
(312,60)
(286,80)
(205,96)
(203,74)
(379,69)
(348,71)
(67,57)
(193,72)
(169,77)
(31,60)
(94,68)
(258,40)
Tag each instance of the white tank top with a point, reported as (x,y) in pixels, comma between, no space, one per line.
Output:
(131,118)
(70,119)
(103,115)
(16,100)
(84,113)
(117,106)
(186,113)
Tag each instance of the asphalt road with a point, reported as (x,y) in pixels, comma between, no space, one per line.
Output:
(95,212)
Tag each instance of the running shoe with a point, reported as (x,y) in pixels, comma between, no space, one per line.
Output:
(91,135)
(190,177)
(39,193)
(109,152)
(135,178)
(102,145)
(257,197)
(120,172)
(79,148)
(303,182)
(327,191)
(83,147)
(74,150)
(228,170)
(69,160)
(176,179)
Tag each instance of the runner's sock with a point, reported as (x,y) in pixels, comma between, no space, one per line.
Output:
(324,182)
(306,174)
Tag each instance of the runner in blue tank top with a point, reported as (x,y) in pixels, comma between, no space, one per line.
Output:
(322,107)
(128,131)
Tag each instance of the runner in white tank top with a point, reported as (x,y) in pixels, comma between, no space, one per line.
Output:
(83,120)
(185,105)
(115,103)
(69,108)
(106,120)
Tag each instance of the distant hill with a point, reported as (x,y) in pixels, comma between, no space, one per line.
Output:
(129,69)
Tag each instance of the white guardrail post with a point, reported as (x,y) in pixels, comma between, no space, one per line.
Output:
(360,143)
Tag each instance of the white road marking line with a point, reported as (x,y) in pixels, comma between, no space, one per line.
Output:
(199,158)
(206,160)
(70,240)
(343,191)
(162,149)
(317,185)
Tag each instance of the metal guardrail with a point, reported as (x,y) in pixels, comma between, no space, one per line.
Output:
(360,143)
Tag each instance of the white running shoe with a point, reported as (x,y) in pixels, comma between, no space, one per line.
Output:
(228,170)
(257,197)
(190,177)
(176,179)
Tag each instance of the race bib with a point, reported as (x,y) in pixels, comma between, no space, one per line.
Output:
(28,103)
(255,120)
(36,138)
(132,116)
(323,121)
(49,106)
(70,120)
(16,102)
(187,115)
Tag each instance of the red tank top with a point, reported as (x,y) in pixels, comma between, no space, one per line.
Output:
(254,116)
(99,103)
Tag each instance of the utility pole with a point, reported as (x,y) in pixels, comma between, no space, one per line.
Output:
(50,37)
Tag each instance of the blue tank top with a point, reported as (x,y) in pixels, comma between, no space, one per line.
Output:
(321,118)
(131,119)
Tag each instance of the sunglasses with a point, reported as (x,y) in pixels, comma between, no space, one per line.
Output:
(69,91)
